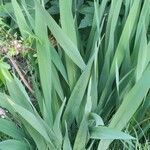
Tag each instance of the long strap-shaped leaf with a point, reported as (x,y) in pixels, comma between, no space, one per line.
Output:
(66,144)
(23,26)
(77,94)
(68,46)
(67,23)
(129,105)
(13,145)
(110,30)
(94,31)
(142,56)
(82,135)
(58,63)
(13,84)
(120,51)
(106,133)
(9,128)
(29,119)
(44,62)
(145,12)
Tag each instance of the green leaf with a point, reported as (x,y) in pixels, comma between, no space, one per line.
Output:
(142,56)
(120,51)
(23,26)
(108,133)
(134,99)
(44,63)
(28,13)
(9,128)
(66,143)
(68,26)
(98,120)
(125,37)
(88,106)
(117,77)
(82,135)
(77,95)
(57,122)
(13,145)
(67,20)
(57,83)
(38,139)
(68,46)
(130,104)
(32,120)
(94,35)
(6,9)
(20,97)
(142,21)
(58,63)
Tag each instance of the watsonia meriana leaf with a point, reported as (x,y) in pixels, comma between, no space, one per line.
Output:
(9,128)
(77,94)
(14,145)
(68,26)
(44,62)
(23,26)
(134,99)
(68,46)
(107,133)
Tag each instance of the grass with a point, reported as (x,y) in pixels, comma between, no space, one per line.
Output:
(87,82)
